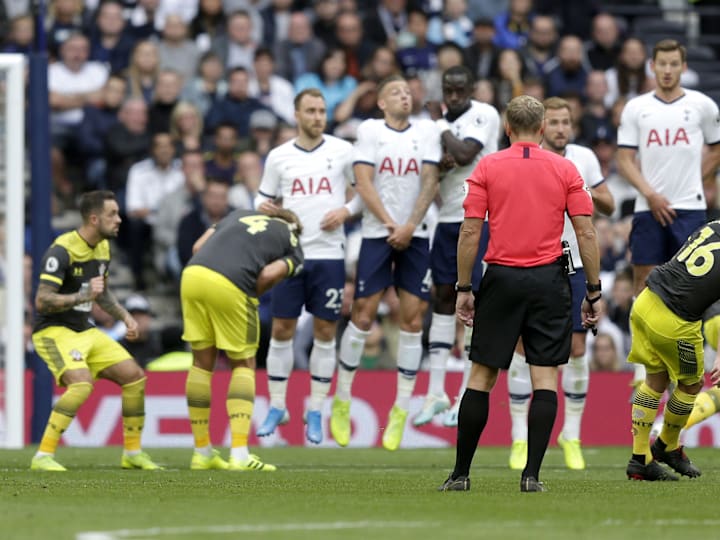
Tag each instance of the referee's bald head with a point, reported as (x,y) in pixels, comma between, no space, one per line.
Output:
(524,114)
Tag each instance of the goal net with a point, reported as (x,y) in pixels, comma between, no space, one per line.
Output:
(12,187)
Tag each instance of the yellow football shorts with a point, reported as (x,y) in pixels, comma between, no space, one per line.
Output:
(217,313)
(63,349)
(662,341)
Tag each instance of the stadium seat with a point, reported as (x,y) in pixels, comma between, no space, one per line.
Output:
(715,95)
(701,53)
(658,25)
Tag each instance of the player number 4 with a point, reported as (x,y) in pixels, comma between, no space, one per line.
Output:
(699,259)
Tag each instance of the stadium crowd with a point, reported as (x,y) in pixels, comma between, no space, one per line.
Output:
(175,104)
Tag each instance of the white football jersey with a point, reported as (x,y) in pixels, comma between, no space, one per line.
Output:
(398,157)
(587,164)
(481,123)
(669,139)
(310,184)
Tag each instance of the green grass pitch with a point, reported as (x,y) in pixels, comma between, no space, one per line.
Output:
(349,494)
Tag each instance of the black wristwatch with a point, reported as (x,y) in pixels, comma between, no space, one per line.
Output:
(463,288)
(593,287)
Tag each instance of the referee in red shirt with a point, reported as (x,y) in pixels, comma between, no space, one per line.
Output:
(525,292)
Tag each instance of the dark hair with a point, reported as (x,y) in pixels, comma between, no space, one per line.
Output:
(93,202)
(669,45)
(264,51)
(460,70)
(290,217)
(225,125)
(314,92)
(237,69)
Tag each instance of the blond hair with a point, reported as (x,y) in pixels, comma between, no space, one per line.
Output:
(525,114)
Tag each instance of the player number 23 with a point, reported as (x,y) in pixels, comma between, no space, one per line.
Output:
(699,259)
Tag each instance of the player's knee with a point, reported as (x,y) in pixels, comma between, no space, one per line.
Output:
(692,389)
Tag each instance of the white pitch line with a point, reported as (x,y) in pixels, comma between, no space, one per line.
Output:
(261,528)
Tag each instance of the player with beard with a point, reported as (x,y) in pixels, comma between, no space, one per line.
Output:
(309,175)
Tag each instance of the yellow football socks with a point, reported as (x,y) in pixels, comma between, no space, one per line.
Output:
(240,401)
(677,412)
(62,414)
(707,403)
(644,411)
(197,390)
(133,412)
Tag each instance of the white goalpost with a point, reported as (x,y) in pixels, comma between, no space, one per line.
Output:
(12,204)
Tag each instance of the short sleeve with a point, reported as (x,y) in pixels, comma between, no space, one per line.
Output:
(363,151)
(710,122)
(475,203)
(579,200)
(54,266)
(629,132)
(347,169)
(270,178)
(592,175)
(433,144)
(482,128)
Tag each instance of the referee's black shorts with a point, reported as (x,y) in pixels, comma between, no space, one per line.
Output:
(534,303)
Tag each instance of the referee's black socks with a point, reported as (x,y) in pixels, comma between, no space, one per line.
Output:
(541,417)
(472,417)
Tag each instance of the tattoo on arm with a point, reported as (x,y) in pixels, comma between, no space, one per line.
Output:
(428,190)
(48,300)
(110,305)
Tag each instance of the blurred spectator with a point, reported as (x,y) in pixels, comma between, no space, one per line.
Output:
(604,354)
(448,55)
(382,25)
(21,36)
(574,16)
(485,9)
(454,25)
(152,340)
(96,123)
(215,206)
(512,27)
(208,86)
(149,181)
(236,46)
(507,76)
(186,127)
(481,54)
(415,53)
(301,52)
(276,20)
(126,143)
(165,96)
(628,78)
(603,48)
(272,90)
(220,162)
(247,181)
(621,301)
(261,140)
(237,105)
(418,95)
(332,80)
(324,14)
(143,70)
(142,19)
(566,72)
(285,132)
(484,92)
(65,18)
(172,208)
(208,24)
(177,51)
(109,44)
(595,115)
(540,47)
(73,83)
(349,36)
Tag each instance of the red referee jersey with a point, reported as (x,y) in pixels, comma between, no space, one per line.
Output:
(526,192)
